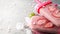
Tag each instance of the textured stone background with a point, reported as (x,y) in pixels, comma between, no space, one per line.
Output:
(13,12)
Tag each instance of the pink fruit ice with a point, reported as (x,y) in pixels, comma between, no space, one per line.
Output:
(50,16)
(49,11)
(54,10)
(40,21)
(37,19)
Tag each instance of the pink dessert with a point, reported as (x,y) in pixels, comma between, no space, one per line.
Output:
(41,22)
(49,11)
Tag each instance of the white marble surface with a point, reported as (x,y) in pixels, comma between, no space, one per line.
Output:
(11,13)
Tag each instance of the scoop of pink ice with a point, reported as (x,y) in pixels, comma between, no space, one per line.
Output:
(40,21)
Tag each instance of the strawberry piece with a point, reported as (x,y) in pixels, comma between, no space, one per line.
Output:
(48,25)
(56,13)
(41,22)
(52,8)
